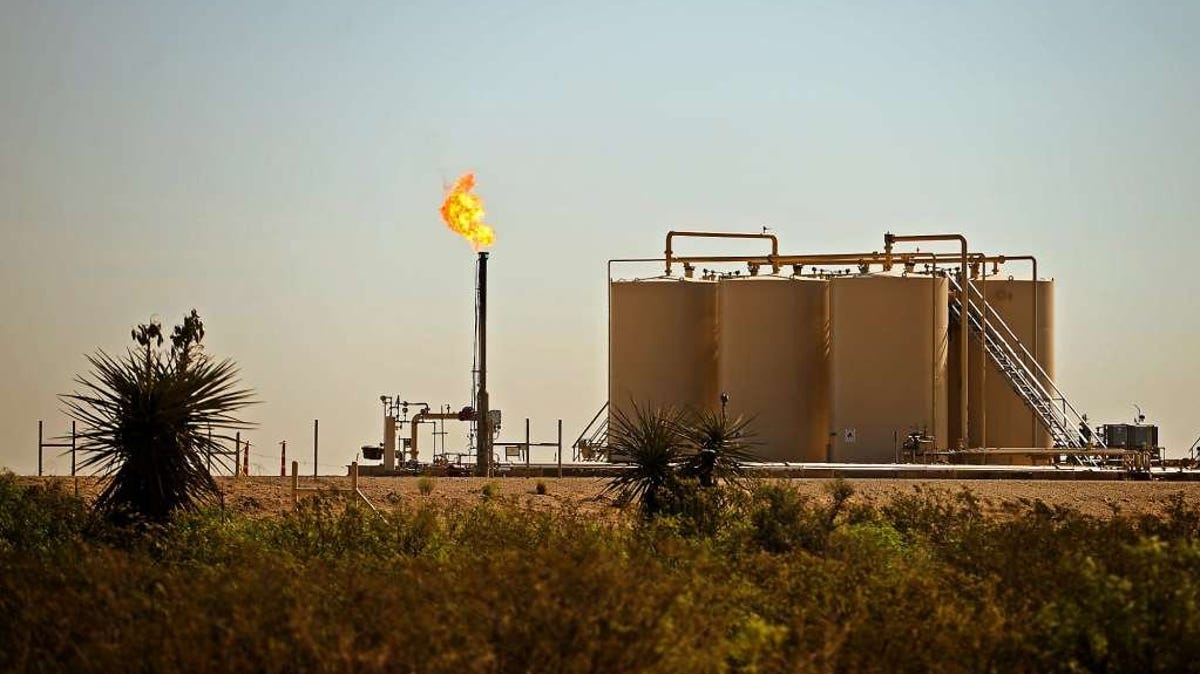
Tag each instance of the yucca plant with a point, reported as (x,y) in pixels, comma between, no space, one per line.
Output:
(653,441)
(718,447)
(153,421)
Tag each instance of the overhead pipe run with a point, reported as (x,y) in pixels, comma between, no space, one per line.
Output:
(889,240)
(1037,326)
(771,259)
(858,260)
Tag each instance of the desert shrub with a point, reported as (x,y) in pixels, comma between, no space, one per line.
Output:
(425,485)
(703,511)
(152,421)
(490,490)
(540,488)
(782,520)
(36,518)
(925,581)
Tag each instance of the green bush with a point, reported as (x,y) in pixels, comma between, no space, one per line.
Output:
(425,485)
(34,519)
(724,582)
(490,490)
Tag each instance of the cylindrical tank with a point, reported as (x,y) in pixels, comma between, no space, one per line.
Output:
(662,344)
(998,416)
(774,362)
(389,442)
(888,362)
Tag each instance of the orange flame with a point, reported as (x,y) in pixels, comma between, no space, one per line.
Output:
(463,213)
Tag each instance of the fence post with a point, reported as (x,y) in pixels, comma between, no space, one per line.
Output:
(315,423)
(237,453)
(354,476)
(560,449)
(295,481)
(39,447)
(74,477)
(527,446)
(283,458)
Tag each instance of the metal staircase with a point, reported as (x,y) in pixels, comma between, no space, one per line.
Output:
(592,443)
(1025,375)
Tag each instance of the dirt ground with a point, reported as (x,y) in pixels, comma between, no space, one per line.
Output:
(267,495)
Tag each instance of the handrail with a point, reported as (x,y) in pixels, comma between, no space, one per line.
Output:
(603,408)
(999,335)
(1003,342)
(1040,371)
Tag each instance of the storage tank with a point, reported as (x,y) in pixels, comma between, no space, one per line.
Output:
(888,363)
(998,417)
(774,362)
(662,344)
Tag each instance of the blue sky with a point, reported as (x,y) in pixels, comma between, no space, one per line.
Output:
(278,166)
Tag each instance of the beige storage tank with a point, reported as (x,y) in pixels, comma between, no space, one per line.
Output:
(662,344)
(888,363)
(998,416)
(774,362)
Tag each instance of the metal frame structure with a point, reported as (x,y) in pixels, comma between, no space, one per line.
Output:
(43,445)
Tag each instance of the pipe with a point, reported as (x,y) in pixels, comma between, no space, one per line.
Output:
(426,415)
(725,235)
(1037,357)
(819,259)
(962,322)
(483,448)
(983,361)
(873,257)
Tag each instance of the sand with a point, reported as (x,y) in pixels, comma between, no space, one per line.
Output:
(262,496)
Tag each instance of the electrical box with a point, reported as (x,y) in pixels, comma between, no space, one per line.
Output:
(1131,436)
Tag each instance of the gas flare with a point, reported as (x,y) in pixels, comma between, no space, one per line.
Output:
(462,212)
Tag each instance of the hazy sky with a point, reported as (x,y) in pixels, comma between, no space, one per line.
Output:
(278,166)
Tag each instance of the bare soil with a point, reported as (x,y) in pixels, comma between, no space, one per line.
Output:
(262,496)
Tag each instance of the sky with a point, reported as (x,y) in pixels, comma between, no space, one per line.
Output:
(278,166)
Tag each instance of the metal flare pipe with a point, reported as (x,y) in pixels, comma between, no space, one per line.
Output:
(483,444)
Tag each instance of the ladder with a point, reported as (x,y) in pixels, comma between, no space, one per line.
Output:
(592,443)
(1025,375)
